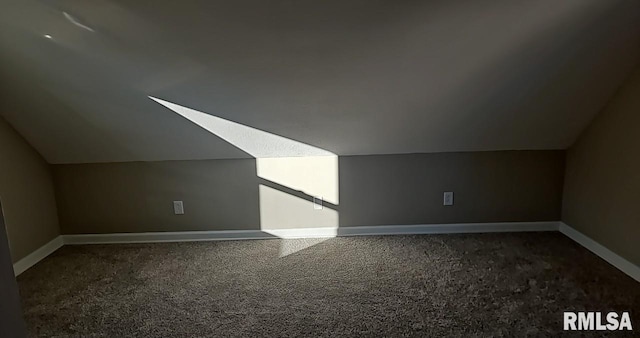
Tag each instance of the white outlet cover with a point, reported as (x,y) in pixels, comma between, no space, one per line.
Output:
(178,208)
(448,198)
(317,203)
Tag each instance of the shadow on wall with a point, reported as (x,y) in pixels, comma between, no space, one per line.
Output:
(299,183)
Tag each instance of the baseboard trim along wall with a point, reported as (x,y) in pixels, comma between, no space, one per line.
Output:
(419,229)
(188,236)
(222,235)
(38,255)
(601,251)
(455,228)
(160,237)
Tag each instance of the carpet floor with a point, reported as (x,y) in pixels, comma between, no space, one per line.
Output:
(516,284)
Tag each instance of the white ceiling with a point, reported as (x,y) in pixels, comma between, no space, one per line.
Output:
(347,76)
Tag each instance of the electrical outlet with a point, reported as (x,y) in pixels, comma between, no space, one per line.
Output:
(448,198)
(178,208)
(317,203)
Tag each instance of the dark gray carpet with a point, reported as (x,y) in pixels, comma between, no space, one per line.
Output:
(432,285)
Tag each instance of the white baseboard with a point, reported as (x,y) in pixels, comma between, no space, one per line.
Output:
(161,237)
(38,255)
(187,236)
(418,229)
(614,259)
(303,233)
(455,228)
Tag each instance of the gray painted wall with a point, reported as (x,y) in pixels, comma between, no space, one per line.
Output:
(11,320)
(27,193)
(488,186)
(602,186)
(374,190)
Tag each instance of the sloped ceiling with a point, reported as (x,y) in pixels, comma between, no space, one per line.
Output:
(348,76)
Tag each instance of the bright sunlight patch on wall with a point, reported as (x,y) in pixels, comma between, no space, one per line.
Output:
(307,170)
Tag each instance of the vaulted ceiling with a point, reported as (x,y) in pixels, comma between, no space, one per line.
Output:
(348,76)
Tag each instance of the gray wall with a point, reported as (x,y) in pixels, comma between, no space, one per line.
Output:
(602,186)
(137,196)
(488,186)
(374,190)
(27,194)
